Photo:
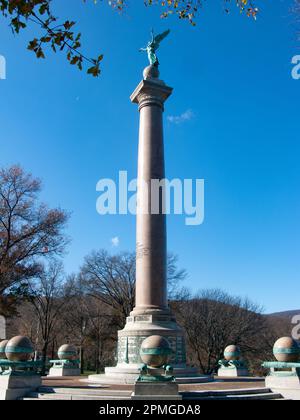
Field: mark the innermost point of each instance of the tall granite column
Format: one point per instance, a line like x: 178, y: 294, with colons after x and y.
x: 151, y: 315
x: 151, y: 248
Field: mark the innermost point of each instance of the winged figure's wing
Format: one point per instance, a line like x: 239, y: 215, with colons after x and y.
x: 160, y: 37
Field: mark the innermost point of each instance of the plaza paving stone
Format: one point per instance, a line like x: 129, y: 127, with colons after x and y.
x: 219, y: 384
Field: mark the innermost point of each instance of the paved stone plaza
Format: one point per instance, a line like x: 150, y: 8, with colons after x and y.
x: 228, y: 383
x: 79, y: 388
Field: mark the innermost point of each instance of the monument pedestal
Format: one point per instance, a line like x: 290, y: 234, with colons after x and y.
x: 64, y: 368
x: 137, y: 329
x: 232, y: 371
x: 156, y: 391
x: 143, y: 325
x: 63, y: 371
x: 232, y: 368
x: 287, y: 386
x: 16, y: 385
x: 284, y: 378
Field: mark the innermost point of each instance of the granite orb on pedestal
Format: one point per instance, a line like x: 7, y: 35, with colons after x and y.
x: 67, y: 352
x: 286, y: 350
x: 284, y: 374
x: 155, y: 351
x: 155, y: 381
x: 19, y: 373
x: 232, y: 352
x: 67, y: 363
x: 19, y: 349
x: 232, y: 365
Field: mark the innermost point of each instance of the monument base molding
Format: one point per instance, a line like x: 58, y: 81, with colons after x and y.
x: 156, y: 391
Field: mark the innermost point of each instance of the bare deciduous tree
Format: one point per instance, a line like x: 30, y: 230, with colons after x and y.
x: 175, y: 277
x: 48, y: 294
x: 111, y: 279
x: 28, y: 231
x: 213, y: 319
x: 88, y: 324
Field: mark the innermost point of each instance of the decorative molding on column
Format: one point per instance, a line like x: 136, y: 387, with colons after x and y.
x: 151, y: 92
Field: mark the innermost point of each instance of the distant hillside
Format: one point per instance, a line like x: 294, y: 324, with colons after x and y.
x: 281, y: 322
x: 285, y: 314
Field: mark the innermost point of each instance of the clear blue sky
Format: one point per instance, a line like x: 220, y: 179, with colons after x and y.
x: 234, y: 74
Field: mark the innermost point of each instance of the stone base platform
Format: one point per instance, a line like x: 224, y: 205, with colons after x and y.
x: 156, y: 391
x: 78, y: 388
x: 232, y: 372
x: 139, y: 326
x: 124, y: 374
x: 64, y: 371
x: 17, y: 385
x: 287, y: 386
x: 284, y: 378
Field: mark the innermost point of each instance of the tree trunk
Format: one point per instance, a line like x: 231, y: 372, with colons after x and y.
x: 53, y: 351
x: 44, y: 358
x: 97, y: 359
x: 81, y: 358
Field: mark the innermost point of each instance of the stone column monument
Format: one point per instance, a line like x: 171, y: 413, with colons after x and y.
x: 151, y: 315
x: 151, y: 247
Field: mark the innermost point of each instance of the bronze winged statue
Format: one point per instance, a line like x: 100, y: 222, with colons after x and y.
x: 153, y: 46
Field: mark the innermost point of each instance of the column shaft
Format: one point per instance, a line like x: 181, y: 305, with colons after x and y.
x: 151, y: 237
x: 151, y: 288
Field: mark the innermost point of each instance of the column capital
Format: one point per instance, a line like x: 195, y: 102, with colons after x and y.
x: 151, y: 92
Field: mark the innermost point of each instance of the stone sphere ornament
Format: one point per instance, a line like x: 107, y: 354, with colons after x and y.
x: 67, y: 352
x: 232, y: 352
x: 155, y: 351
x: 2, y: 349
x: 19, y: 349
x: 151, y: 72
x: 286, y: 350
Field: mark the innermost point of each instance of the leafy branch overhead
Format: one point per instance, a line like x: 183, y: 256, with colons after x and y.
x: 61, y: 36
x: 188, y: 9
